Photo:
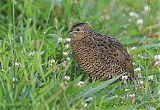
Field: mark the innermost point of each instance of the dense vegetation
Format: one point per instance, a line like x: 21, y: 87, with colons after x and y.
x: 38, y: 70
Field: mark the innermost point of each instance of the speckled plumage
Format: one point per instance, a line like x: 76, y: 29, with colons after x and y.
x: 100, y: 56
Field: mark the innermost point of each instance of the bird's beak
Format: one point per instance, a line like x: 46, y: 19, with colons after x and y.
x: 70, y: 33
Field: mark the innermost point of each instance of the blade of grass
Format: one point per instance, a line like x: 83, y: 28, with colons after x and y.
x: 143, y: 48
x: 102, y: 85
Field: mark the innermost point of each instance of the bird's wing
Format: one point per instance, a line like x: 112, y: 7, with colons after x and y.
x: 111, y: 50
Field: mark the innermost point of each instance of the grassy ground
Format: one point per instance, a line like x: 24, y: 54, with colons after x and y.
x: 33, y: 34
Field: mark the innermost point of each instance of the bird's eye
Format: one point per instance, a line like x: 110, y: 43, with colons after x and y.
x: 78, y: 29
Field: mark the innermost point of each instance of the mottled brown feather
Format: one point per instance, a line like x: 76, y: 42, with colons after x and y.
x: 100, y: 56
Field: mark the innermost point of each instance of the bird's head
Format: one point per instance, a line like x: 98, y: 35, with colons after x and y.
x: 79, y: 29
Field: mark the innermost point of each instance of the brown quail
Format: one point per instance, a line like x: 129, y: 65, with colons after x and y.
x: 100, y: 56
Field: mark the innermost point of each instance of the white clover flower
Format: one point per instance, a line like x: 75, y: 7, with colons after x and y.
x: 137, y: 69
x: 44, y: 32
x: 68, y: 58
x: 66, y: 46
x: 64, y: 63
x: 132, y: 95
x: 106, y: 17
x: 133, y: 63
x: 157, y: 57
x: 80, y: 83
x: 68, y: 39
x: 139, y: 22
x: 85, y: 105
x: 65, y: 53
x: 144, y: 56
x: 122, y: 102
x: 66, y: 78
x: 51, y: 62
x: 150, y: 78
x: 133, y: 14
x: 60, y: 39
x: 133, y: 48
x: 126, y: 90
x: 157, y: 63
x: 18, y: 64
x: 32, y: 53
x: 129, y: 19
x: 115, y: 96
x: 124, y: 77
x: 141, y: 56
x: 15, y: 79
x: 147, y: 8
x: 140, y: 85
x: 141, y: 82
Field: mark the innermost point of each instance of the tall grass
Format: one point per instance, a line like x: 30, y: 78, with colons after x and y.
x: 34, y: 46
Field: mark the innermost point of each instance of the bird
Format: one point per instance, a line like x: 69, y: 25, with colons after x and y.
x: 100, y: 56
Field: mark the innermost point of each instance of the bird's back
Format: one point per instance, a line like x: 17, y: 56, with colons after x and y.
x: 102, y: 57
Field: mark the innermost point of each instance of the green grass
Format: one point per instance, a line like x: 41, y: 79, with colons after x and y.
x: 41, y: 64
